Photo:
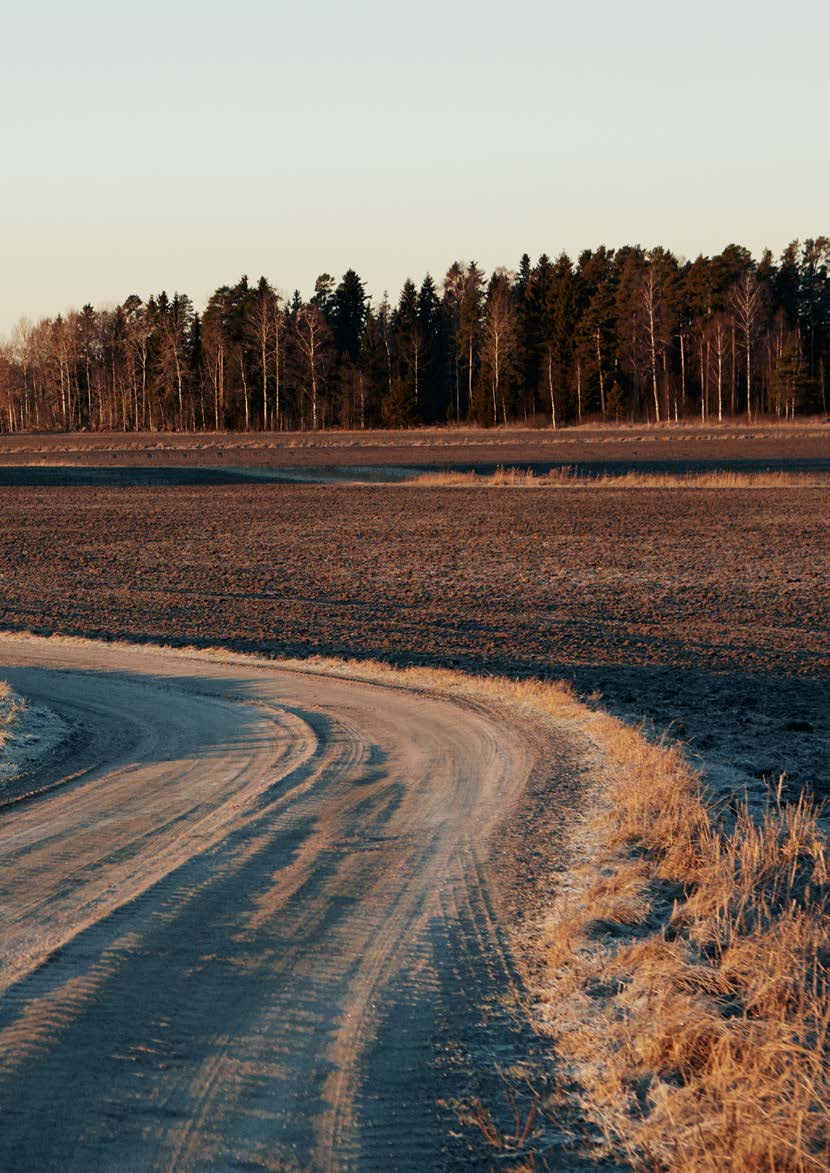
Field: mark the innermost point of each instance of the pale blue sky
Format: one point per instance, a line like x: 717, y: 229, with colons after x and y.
x: 181, y: 144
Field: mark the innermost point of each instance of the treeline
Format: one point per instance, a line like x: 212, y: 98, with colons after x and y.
x: 623, y: 334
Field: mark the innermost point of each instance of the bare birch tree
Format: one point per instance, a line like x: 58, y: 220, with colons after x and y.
x: 651, y: 295
x: 746, y: 301
x: 313, y: 342
x: 717, y: 348
x: 260, y: 323
x: 499, y: 337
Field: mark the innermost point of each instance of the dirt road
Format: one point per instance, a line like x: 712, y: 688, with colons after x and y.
x: 247, y: 919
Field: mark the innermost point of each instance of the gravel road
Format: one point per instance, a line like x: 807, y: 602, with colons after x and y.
x: 248, y: 917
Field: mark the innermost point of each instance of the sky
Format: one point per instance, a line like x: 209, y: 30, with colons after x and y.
x: 180, y: 144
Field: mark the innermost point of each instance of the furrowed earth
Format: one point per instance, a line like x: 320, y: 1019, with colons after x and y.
x: 701, y: 610
x: 797, y: 445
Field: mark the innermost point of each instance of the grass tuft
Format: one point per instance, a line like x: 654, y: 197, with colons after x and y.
x: 10, y: 707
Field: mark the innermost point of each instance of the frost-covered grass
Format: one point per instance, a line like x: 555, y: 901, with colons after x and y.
x: 10, y: 706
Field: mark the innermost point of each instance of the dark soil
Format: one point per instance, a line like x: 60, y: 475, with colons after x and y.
x: 800, y: 445
x: 702, y: 608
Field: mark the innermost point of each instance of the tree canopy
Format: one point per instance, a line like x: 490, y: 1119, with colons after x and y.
x: 630, y: 334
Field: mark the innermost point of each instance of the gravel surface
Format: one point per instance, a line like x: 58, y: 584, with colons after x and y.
x: 250, y: 917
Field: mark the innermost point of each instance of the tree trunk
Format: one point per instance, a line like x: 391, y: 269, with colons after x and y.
x: 313, y: 395
x: 653, y: 349
x: 496, y: 381
x: 179, y: 387
x: 702, y: 382
x: 264, y: 360
x: 277, y: 420
x: 470, y: 375
x: 579, y: 390
x: 550, y: 391
x: 682, y: 374
x: 244, y: 391
x: 601, y: 380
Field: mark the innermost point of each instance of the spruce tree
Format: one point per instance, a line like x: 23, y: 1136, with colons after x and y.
x: 346, y: 313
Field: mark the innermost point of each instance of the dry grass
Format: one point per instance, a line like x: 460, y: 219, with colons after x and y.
x: 570, y: 477
x: 10, y: 707
x: 693, y: 956
x: 685, y: 978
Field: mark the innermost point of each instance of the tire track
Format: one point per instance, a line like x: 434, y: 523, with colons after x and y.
x: 252, y: 940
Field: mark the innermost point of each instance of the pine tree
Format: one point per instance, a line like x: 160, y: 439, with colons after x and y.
x: 433, y: 398
x: 409, y: 340
x: 323, y: 295
x: 595, y: 332
x: 372, y: 384
x: 558, y: 331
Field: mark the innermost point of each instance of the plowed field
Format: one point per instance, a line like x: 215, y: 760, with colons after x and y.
x: 701, y: 607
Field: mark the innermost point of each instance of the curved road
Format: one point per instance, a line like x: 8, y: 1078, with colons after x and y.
x: 246, y: 917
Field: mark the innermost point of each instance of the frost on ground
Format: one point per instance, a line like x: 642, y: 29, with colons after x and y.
x: 10, y: 707
x: 28, y: 734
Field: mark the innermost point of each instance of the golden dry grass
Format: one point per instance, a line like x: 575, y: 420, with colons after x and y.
x: 569, y: 477
x: 696, y: 1030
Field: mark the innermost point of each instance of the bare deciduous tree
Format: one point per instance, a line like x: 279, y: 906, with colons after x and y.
x: 313, y: 341
x: 499, y: 337
x: 263, y: 323
x: 746, y: 301
x: 651, y: 295
x: 718, y: 345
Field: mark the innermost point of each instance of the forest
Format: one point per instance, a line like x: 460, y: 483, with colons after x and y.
x: 620, y: 335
